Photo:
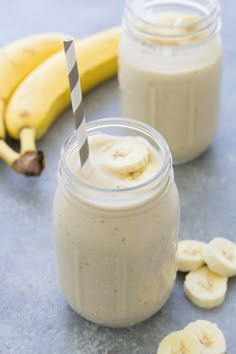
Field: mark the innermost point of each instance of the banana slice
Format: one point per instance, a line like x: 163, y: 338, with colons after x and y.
x: 168, y: 18
x: 220, y: 257
x: 205, y: 288
x: 210, y: 336
x: 182, y: 342
x: 190, y: 255
x: 192, y: 22
x: 177, y: 24
x: 125, y: 156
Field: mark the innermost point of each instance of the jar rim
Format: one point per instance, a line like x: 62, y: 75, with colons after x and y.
x: 210, y: 23
x: 71, y: 142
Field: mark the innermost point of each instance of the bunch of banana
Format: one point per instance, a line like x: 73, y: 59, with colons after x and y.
x: 209, y: 266
x: 196, y: 338
x: 17, y: 60
x: 44, y: 93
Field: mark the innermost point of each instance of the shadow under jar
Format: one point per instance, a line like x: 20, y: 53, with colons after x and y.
x: 170, y: 70
x: 115, y: 248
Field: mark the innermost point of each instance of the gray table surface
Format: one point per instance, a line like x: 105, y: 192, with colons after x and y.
x: 34, y: 318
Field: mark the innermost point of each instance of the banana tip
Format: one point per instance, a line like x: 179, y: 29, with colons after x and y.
x: 31, y: 163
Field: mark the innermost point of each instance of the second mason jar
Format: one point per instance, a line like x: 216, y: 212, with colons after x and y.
x: 170, y: 70
x: 116, y: 245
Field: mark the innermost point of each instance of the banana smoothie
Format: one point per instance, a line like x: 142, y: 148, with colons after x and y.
x: 170, y: 71
x: 116, y: 229
x: 119, y: 162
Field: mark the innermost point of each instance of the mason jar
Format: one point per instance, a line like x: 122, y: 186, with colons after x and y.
x: 170, y: 70
x: 115, y: 248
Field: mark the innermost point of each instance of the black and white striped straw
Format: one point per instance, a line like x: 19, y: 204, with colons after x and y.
x: 77, y: 103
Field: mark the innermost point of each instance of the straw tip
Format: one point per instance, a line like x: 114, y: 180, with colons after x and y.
x: 68, y: 42
x: 68, y: 39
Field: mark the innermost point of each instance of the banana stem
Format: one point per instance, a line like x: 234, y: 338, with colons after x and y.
x: 27, y: 140
x: 29, y: 162
x: 7, y: 154
x: 2, y: 126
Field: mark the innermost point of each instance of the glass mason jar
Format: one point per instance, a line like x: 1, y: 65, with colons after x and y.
x: 115, y: 248
x: 170, y: 70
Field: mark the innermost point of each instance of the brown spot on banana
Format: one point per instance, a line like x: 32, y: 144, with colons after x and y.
x: 24, y: 114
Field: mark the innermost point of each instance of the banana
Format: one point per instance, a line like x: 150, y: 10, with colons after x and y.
x: 197, y: 337
x: 220, y: 257
x: 6, y: 153
x: 165, y: 29
x: 210, y: 336
x: 168, y: 18
x: 175, y: 25
x: 182, y: 342
x: 2, y: 126
x: 44, y: 94
x: 191, y: 25
x: 205, y: 288
x: 190, y: 22
x: 17, y: 60
x: 126, y: 155
x: 190, y: 255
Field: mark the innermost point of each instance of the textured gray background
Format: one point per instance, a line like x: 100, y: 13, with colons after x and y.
x: 34, y: 318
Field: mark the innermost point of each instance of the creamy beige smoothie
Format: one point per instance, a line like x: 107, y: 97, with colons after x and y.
x: 173, y: 83
x: 116, y: 241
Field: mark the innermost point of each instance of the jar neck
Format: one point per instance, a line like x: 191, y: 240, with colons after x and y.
x: 141, y: 20
x: 124, y: 197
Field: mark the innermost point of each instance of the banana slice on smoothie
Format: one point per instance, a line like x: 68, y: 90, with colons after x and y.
x: 166, y: 29
x: 191, y: 25
x: 220, y: 257
x: 168, y: 18
x: 125, y: 156
x: 192, y: 22
x: 209, y: 335
x: 205, y: 288
x: 183, y: 342
x: 177, y: 28
x: 190, y: 255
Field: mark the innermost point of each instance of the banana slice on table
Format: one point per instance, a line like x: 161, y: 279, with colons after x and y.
x: 220, y: 257
x: 190, y: 255
x: 205, y: 288
x: 125, y: 156
x: 182, y: 342
x: 210, y: 336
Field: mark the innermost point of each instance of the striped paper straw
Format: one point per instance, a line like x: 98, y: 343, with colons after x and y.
x: 77, y: 103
